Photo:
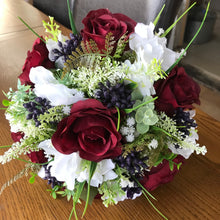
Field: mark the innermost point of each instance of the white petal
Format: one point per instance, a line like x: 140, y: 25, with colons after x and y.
x: 40, y: 75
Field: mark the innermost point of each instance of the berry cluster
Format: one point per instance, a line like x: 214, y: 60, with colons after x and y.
x: 184, y: 122
x: 133, y: 163
x: 51, y: 180
x: 118, y: 95
x: 66, y: 48
x: 130, y: 191
x: 36, y: 108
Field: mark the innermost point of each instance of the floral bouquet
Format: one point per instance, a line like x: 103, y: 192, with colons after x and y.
x: 106, y: 111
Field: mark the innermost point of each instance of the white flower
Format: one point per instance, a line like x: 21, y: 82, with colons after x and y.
x: 149, y: 47
x: 153, y: 144
x: 68, y: 168
x: 185, y: 152
x: 46, y: 86
x: 152, y: 45
x: 130, y: 121
x: 66, y: 110
x: 130, y: 138
x: 51, y: 45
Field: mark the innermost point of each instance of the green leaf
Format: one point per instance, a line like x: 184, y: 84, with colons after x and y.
x: 158, y: 16
x: 119, y: 118
x: 53, y: 194
x: 172, y: 26
x: 189, y: 44
x: 127, y: 111
x: 5, y: 102
x: 171, y: 164
x: 92, y: 169
x: 93, y: 193
x: 32, y: 178
x: 31, y: 29
x: 178, y: 165
x: 79, y: 189
x: 5, y: 146
x: 72, y: 24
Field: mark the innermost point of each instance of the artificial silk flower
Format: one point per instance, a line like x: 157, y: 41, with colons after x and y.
x: 68, y: 168
x: 52, y: 45
x: 46, y: 86
x: 149, y: 46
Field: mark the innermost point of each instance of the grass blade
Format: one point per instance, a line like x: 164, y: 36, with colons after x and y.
x: 72, y: 24
x: 158, y: 16
x: 189, y: 44
x: 171, y: 27
x: 31, y: 29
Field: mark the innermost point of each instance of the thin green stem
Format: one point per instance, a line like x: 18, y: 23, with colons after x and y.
x: 145, y: 193
x: 72, y: 24
x: 189, y: 44
x: 5, y: 146
x: 158, y: 16
x: 26, y: 161
x: 142, y: 104
x: 92, y: 169
x: 73, y: 211
x: 172, y: 26
x: 31, y: 29
x: 119, y: 118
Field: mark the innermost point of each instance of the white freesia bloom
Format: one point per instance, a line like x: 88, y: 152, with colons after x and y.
x: 68, y: 168
x: 143, y: 40
x: 149, y: 48
x: 51, y: 45
x: 185, y: 152
x: 46, y: 86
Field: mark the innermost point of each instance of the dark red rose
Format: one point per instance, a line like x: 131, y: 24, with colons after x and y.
x: 98, y: 23
x: 177, y: 90
x: 36, y: 157
x: 16, y: 137
x: 90, y: 129
x: 37, y: 57
x: 160, y: 174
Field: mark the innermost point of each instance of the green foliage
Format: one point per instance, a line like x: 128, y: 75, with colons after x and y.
x: 54, y: 191
x: 86, y: 79
x: 110, y: 190
x: 52, y: 28
x: 168, y: 125
x: 54, y: 114
x: 145, y: 115
x: 89, y: 55
x: 5, y: 102
x: 32, y: 178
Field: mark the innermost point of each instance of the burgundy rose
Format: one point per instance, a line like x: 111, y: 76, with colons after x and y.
x: 177, y: 90
x: 98, y: 23
x: 36, y: 157
x: 160, y: 174
x: 90, y: 129
x: 37, y: 57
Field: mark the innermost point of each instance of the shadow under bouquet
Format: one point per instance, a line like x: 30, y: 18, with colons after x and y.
x: 106, y: 111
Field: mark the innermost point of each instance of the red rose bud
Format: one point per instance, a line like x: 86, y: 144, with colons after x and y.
x: 177, y: 90
x: 160, y: 174
x: 36, y: 157
x: 90, y: 129
x: 37, y: 57
x: 98, y: 23
x: 16, y: 137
